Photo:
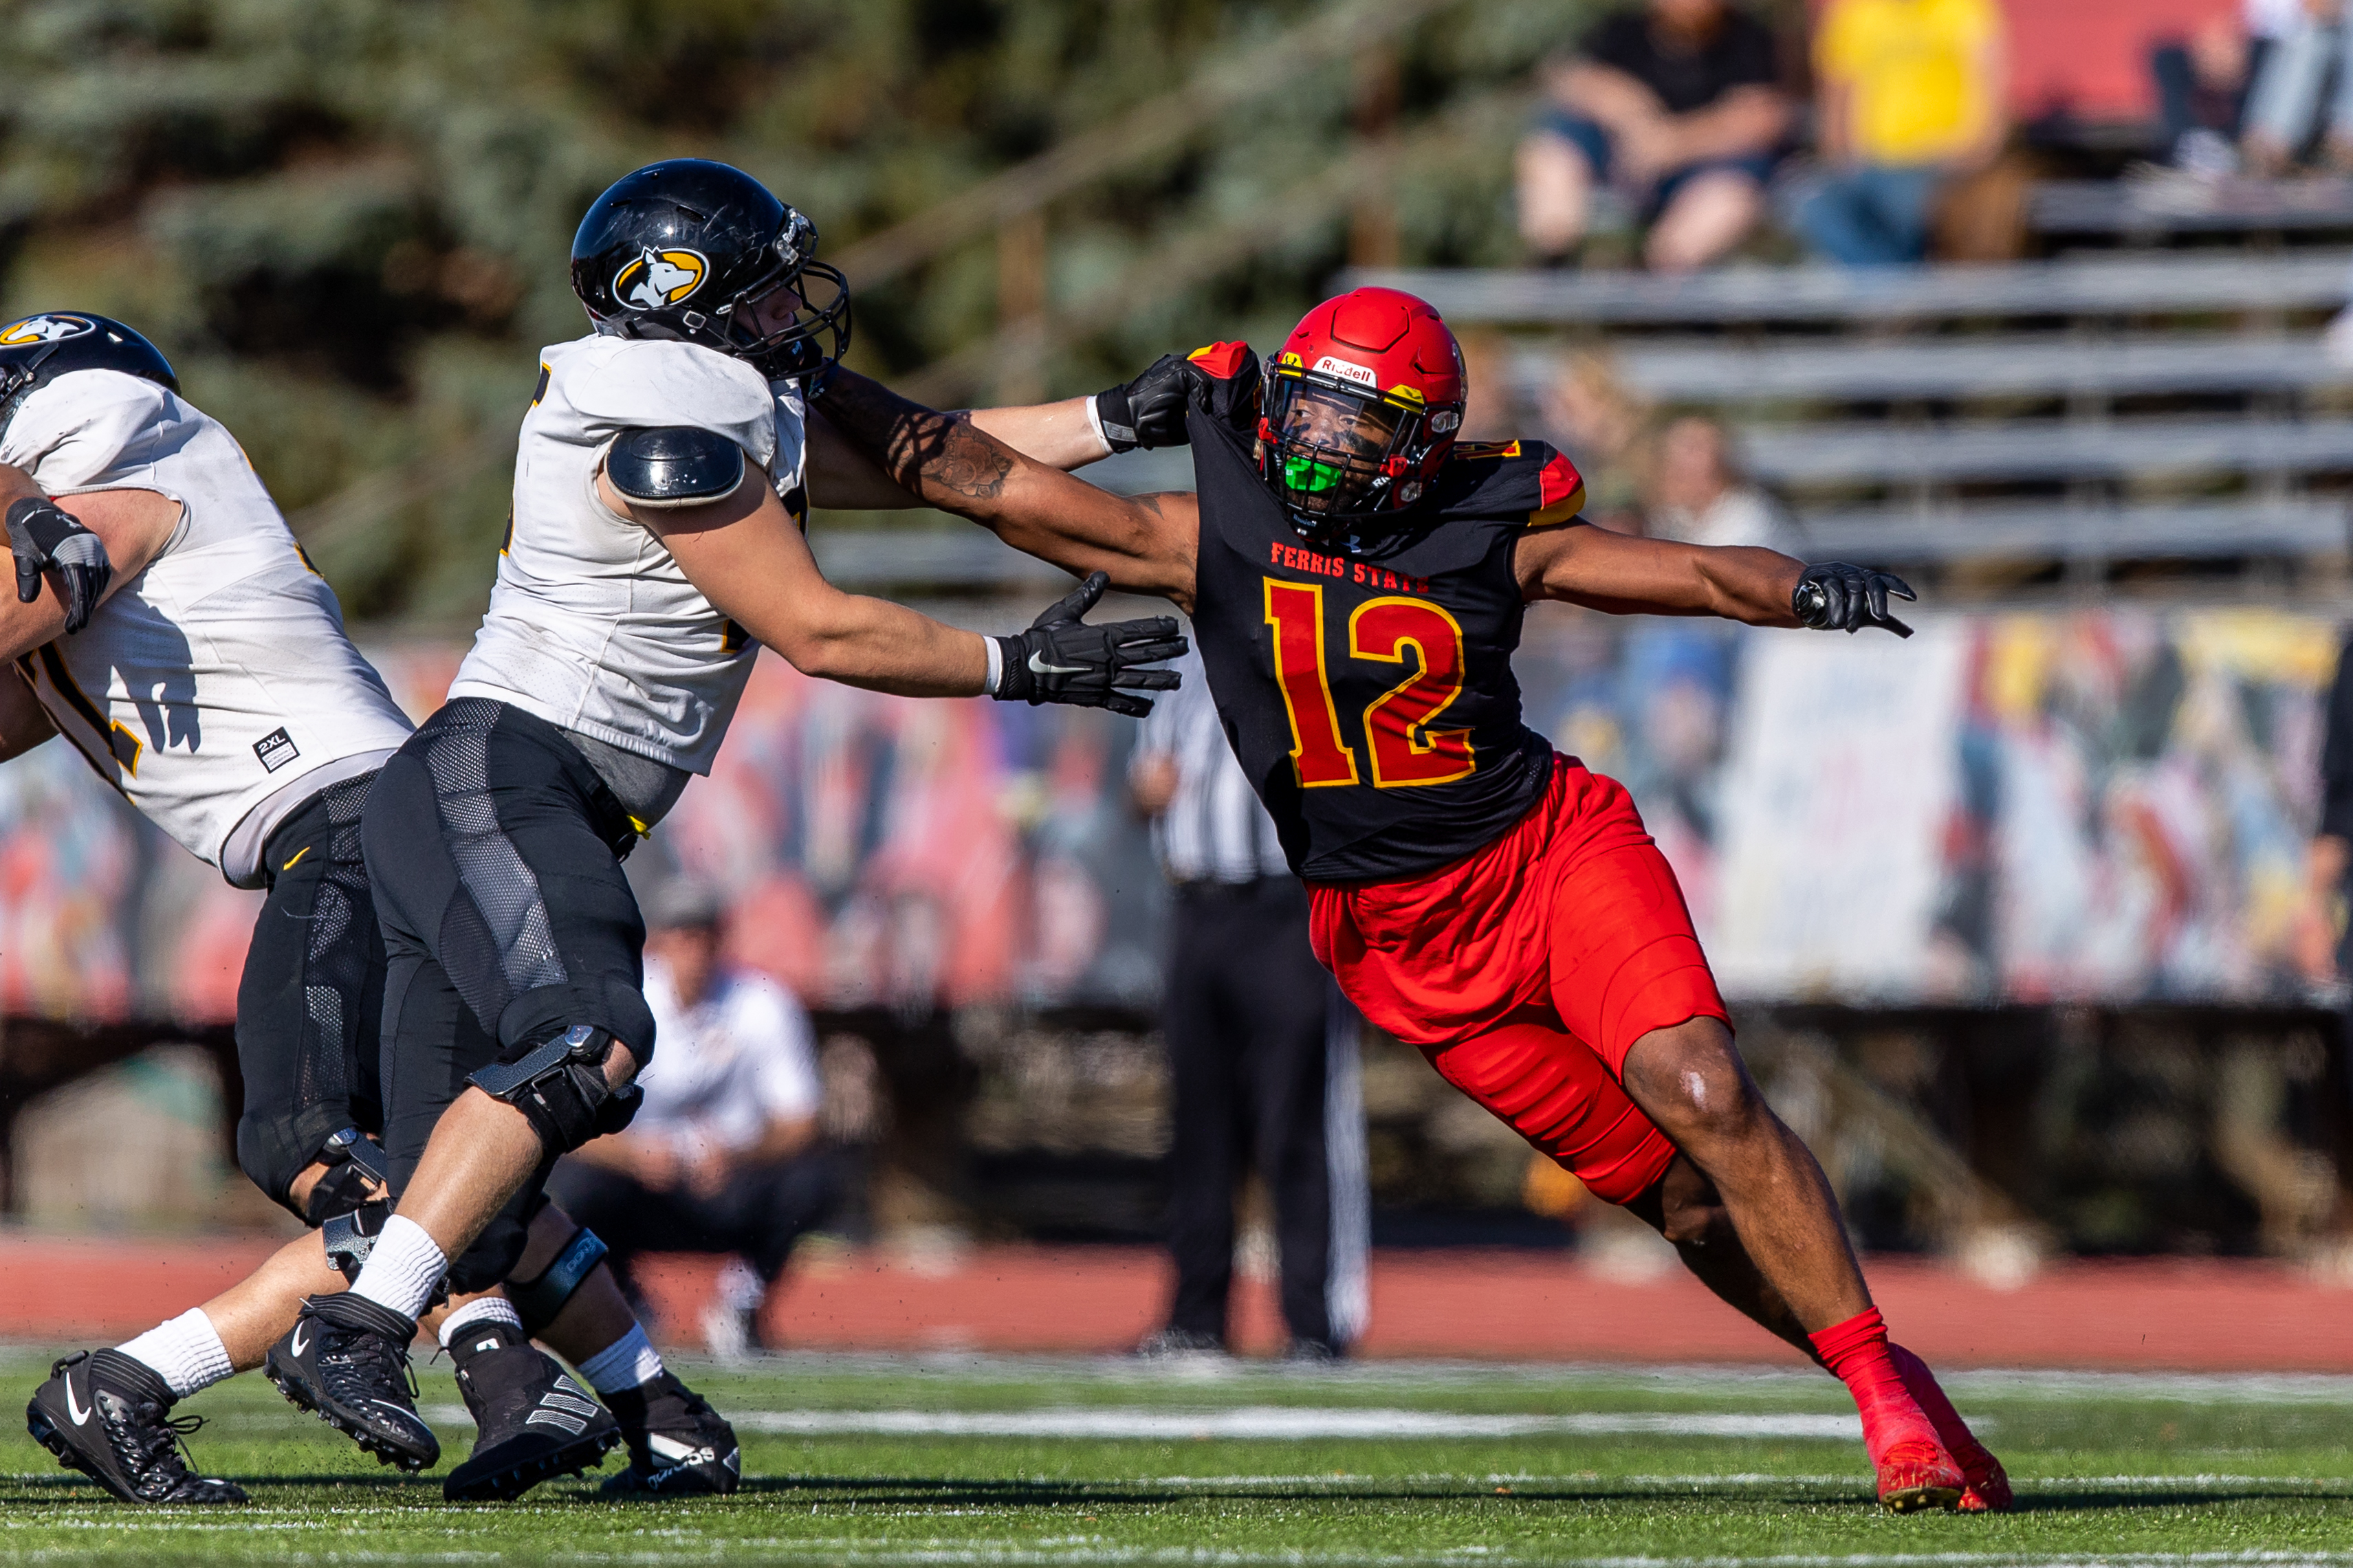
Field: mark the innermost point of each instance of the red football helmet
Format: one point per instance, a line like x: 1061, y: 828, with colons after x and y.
x: 1361, y: 410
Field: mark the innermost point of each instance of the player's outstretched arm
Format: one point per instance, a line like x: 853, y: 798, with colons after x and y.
x: 746, y: 554
x: 1065, y: 435
x: 1625, y: 575
x: 1145, y: 544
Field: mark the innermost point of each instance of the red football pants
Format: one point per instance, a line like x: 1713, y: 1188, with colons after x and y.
x: 1526, y: 970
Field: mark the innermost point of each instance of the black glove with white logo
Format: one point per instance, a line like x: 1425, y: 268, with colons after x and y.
x: 1836, y: 598
x: 1149, y: 411
x: 1061, y: 658
x: 45, y: 537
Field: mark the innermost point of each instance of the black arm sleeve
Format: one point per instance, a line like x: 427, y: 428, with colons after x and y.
x: 2336, y: 752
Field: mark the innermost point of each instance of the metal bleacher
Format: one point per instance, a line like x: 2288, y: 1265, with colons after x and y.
x: 2107, y: 409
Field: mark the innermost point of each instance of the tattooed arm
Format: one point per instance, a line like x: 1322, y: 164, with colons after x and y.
x: 843, y: 478
x: 1146, y: 544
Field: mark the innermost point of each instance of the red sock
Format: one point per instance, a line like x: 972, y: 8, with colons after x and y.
x: 1896, y: 1433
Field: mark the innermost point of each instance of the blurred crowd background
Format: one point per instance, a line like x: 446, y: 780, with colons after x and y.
x: 2032, y: 301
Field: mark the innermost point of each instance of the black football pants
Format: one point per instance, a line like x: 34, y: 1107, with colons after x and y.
x: 310, y: 1002
x: 1246, y: 1014
x: 494, y: 850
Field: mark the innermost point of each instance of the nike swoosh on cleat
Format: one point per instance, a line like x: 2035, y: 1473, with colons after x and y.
x: 80, y: 1416
x: 300, y: 1343
x: 1039, y: 666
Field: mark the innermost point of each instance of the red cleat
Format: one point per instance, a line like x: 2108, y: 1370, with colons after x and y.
x: 1915, y: 1470
x: 1988, y: 1487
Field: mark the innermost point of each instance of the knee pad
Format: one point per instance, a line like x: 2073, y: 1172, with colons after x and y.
x: 539, y: 1300
x: 560, y: 1086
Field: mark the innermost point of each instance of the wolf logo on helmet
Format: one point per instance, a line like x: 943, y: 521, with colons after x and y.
x: 657, y: 277
x: 45, y: 329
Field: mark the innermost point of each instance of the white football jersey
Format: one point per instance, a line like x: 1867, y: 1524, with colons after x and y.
x: 593, y: 626
x: 220, y: 675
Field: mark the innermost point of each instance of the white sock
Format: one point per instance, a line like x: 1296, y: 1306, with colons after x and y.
x: 187, y: 1351
x: 624, y: 1365
x: 481, y: 1309
x: 402, y: 1269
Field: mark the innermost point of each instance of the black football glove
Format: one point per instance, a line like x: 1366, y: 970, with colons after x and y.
x: 1836, y: 598
x: 1061, y: 658
x: 44, y: 537
x: 1149, y: 411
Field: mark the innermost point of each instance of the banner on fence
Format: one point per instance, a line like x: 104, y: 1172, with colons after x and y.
x: 2109, y: 805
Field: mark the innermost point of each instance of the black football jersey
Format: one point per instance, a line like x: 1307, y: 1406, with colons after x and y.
x: 1369, y: 691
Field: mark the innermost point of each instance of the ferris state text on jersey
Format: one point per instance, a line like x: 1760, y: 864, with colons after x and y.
x: 1369, y: 692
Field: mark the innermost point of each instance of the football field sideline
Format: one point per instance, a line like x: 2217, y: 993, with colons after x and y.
x: 1010, y: 1460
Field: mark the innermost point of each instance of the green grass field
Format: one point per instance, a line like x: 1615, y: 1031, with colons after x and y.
x: 996, y: 1461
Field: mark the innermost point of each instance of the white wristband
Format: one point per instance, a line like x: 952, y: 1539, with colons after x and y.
x: 996, y: 667
x: 1094, y: 422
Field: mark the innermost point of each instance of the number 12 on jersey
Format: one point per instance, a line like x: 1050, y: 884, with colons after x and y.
x: 1399, y: 724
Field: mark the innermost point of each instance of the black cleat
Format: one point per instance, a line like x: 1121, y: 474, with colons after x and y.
x: 346, y: 1359
x: 101, y: 1412
x: 679, y: 1445
x: 532, y: 1422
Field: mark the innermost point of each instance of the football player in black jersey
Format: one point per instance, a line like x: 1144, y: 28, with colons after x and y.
x: 1356, y: 578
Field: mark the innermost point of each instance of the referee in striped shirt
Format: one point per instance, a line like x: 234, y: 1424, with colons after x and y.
x: 1261, y: 1047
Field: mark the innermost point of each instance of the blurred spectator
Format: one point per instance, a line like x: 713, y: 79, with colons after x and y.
x: 1262, y: 1048
x: 1677, y: 103
x: 722, y: 1156
x: 1592, y: 416
x: 2302, y: 93
x: 2203, y: 83
x: 1491, y: 405
x: 1695, y: 492
x: 2322, y: 933
x: 1911, y: 96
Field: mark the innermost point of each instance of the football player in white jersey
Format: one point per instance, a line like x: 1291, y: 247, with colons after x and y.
x: 661, y: 484
x: 214, y: 687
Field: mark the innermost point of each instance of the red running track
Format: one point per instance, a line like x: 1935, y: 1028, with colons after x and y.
x: 2197, y: 1315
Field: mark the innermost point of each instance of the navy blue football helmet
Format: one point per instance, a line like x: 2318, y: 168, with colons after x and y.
x: 685, y: 249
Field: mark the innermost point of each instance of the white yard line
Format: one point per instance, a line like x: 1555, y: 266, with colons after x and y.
x: 1675, y: 1379
x: 1288, y: 1422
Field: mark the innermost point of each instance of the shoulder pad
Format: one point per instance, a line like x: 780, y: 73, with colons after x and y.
x: 1526, y: 482
x: 677, y: 465
x: 1560, y: 489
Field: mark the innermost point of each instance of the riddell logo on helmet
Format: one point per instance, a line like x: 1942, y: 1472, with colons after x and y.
x: 657, y: 277
x: 44, y: 330
x: 1330, y: 365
